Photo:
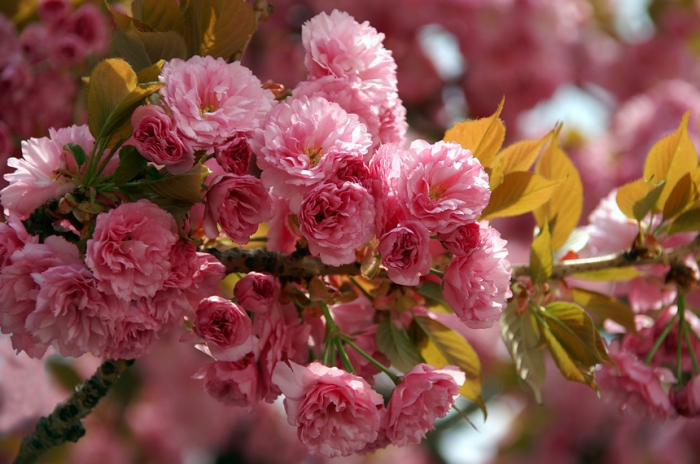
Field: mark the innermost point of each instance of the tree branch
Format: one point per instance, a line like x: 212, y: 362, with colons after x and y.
x: 64, y: 423
x: 575, y: 266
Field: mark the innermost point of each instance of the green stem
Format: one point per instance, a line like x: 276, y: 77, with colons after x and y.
x: 394, y: 378
x: 437, y: 273
x: 681, y: 328
x: 359, y: 287
x: 660, y: 340
x: 344, y: 357
x: 689, y: 343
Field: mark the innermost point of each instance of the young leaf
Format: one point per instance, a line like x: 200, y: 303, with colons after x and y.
x: 681, y: 196
x: 637, y: 198
x: 670, y: 159
x: 686, y: 222
x: 144, y: 49
x: 159, y: 15
x: 397, y: 347
x: 541, y: 256
x: 131, y: 163
x: 77, y: 152
x: 520, y: 192
x: 151, y: 73
x: 562, y: 211
x: 432, y: 291
x: 574, y: 330
x: 516, y: 157
x: 521, y: 336
x: 186, y: 187
x: 441, y: 346
x: 605, y: 306
x: 123, y: 22
x: 483, y: 137
x: 219, y: 28
x: 569, y: 368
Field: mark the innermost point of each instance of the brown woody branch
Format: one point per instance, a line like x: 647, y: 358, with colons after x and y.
x: 64, y: 423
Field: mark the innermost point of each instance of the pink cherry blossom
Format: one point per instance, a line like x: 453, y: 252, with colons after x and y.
x: 221, y: 322
x: 443, y: 186
x: 40, y: 174
x: 134, y: 332
x: 336, y: 219
x: 297, y: 148
x: 208, y: 272
x: 211, y: 99
x: 634, y: 387
x: 54, y: 12
x: 281, y: 236
x: 156, y: 138
x: 687, y: 399
x: 336, y: 413
x: 463, y: 240
x: 88, y: 23
x: 130, y: 248
x: 232, y: 383
x: 424, y: 394
x: 71, y: 312
x: 477, y: 285
x: 235, y: 156
x: 405, y: 252
x: 257, y: 292
x: 239, y: 204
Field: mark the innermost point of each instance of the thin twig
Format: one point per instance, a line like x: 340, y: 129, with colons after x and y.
x: 64, y: 423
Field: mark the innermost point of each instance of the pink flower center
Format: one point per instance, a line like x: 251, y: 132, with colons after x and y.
x: 315, y: 153
x: 436, y: 192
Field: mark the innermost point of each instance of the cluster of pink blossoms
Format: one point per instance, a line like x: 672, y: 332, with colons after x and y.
x: 327, y: 168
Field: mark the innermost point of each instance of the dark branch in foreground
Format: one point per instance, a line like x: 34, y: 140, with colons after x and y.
x: 64, y: 423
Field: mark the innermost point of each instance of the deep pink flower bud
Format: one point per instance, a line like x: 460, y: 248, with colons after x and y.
x: 405, y: 251
x: 257, y: 292
x: 222, y: 323
x: 235, y: 156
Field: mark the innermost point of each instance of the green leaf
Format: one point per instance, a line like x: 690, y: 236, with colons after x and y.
x: 562, y: 211
x: 77, y: 152
x: 131, y: 163
x: 569, y: 368
x: 619, y: 274
x: 159, y: 15
x: 397, y: 347
x: 520, y: 192
x: 123, y: 22
x: 637, y: 198
x: 681, y: 196
x: 605, y: 307
x: 433, y: 292
x: 574, y: 330
x: 483, y: 137
x: 686, y: 222
x: 151, y: 73
x: 63, y: 372
x: 186, y: 187
x: 441, y: 346
x: 541, y: 260
x: 670, y: 159
x: 144, y: 49
x: 521, y: 336
x: 219, y: 28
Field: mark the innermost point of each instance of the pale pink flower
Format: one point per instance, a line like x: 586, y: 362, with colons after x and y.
x: 636, y: 387
x: 392, y: 120
x: 687, y: 399
x: 336, y: 219
x: 208, y: 272
x: 405, y: 252
x: 220, y: 322
x: 156, y: 138
x: 443, y: 186
x: 281, y: 236
x: 385, y: 169
x: 11, y: 239
x: 130, y: 249
x: 463, y: 240
x: 134, y: 332
x: 336, y: 413
x: 235, y: 156
x: 39, y: 174
x: 338, y: 45
x: 424, y: 394
x: 297, y: 146
x: 211, y: 99
x: 232, y: 383
x: 168, y: 307
x: 19, y: 290
x: 239, y: 204
x: 257, y: 292
x: 71, y: 313
x: 609, y: 230
x: 477, y: 285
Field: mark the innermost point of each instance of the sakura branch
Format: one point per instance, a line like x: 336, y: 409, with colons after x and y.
x: 64, y: 423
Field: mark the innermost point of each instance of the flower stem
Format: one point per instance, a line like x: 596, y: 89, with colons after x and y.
x: 681, y: 329
x: 344, y: 357
x: 394, y: 378
x: 660, y: 340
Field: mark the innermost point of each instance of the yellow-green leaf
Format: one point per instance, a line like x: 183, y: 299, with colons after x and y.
x: 605, y: 306
x: 516, y: 157
x: 441, y: 346
x: 541, y: 260
x: 619, y: 274
x: 159, y: 15
x: 110, y: 82
x: 397, y: 346
x: 186, y: 187
x: 131, y: 163
x: 681, y: 196
x: 219, y: 28
x: 686, y: 222
x: 520, y: 192
x: 569, y: 368
x: 574, y: 330
x: 145, y: 49
x: 637, y: 198
x: 124, y: 22
x: 521, y: 336
x: 151, y: 73
x: 669, y: 159
x: 562, y: 211
x: 483, y: 137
